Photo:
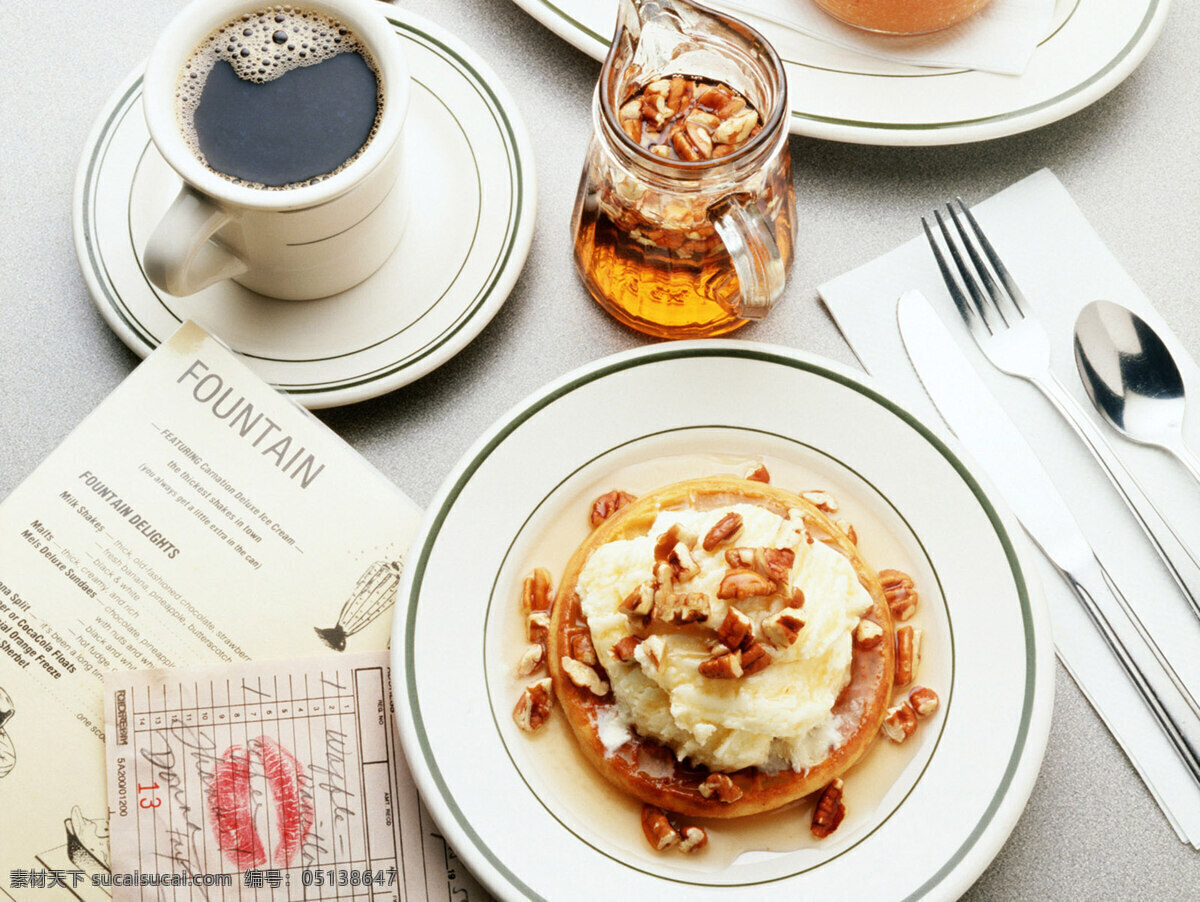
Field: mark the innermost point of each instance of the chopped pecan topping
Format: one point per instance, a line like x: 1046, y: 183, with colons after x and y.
x: 654, y: 649
x: 736, y: 630
x: 682, y: 563
x: 723, y: 530
x: 531, y: 661
x: 639, y: 602
x: 625, y: 647
x: 723, y: 666
x: 868, y: 633
x: 667, y: 542
x: 680, y: 118
x: 533, y: 707
x: 607, y: 505
x: 782, y: 629
x: 822, y: 500
x: 772, y: 563
x: 900, y: 723
x: 898, y: 589
x: 722, y: 787
x: 758, y: 473
x: 694, y: 839
x: 582, y: 648
x: 537, y: 626
x: 754, y: 658
x: 923, y: 700
x: 741, y: 583
x: 659, y: 832
x: 777, y: 562
x: 583, y: 676
x: 830, y: 809
x: 691, y: 607
x: 796, y: 599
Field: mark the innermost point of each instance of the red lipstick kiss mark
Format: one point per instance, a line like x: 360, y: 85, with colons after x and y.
x: 233, y: 803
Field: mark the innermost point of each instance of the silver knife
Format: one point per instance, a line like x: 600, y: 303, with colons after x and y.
x: 983, y: 427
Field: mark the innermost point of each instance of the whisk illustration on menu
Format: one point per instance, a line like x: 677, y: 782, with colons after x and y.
x: 374, y: 593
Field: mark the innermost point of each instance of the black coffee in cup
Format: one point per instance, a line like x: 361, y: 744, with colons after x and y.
x: 280, y: 97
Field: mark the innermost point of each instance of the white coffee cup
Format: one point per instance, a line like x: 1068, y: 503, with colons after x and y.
x: 297, y: 243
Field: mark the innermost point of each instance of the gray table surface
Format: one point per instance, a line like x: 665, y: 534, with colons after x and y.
x: 1131, y: 161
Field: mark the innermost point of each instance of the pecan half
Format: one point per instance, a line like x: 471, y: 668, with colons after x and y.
x: 535, y: 591
x: 723, y: 530
x: 607, y: 505
x: 830, y: 809
x: 908, y: 654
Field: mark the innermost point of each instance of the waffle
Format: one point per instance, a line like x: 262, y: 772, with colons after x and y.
x: 646, y: 768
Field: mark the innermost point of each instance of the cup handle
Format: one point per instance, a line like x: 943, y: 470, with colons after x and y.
x: 181, y: 258
x: 756, y: 257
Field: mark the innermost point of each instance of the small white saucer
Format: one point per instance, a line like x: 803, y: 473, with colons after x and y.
x: 471, y: 179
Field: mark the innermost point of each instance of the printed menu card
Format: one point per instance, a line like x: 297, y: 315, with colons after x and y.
x: 197, y: 516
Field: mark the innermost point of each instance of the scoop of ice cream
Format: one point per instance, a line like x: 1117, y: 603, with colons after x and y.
x: 780, y: 717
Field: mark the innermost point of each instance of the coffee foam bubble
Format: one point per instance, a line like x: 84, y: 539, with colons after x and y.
x: 262, y: 46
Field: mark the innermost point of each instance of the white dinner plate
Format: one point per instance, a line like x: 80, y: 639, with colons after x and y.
x: 528, y: 814
x: 846, y: 96
x: 471, y: 178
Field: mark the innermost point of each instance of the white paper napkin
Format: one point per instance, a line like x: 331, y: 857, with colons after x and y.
x: 1060, y: 264
x: 999, y: 38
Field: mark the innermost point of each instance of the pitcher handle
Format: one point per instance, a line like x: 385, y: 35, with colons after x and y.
x: 756, y: 257
x: 181, y: 256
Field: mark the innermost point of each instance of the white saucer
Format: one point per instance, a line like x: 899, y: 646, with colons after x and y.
x: 471, y: 177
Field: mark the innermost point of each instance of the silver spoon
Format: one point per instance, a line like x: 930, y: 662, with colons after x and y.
x: 1132, y: 379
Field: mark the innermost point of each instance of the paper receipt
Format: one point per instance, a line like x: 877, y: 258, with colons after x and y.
x: 279, y: 780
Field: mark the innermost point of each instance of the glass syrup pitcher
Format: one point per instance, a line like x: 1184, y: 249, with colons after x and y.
x: 683, y: 225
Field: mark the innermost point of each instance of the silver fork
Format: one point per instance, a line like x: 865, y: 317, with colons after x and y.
x: 1010, y: 336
